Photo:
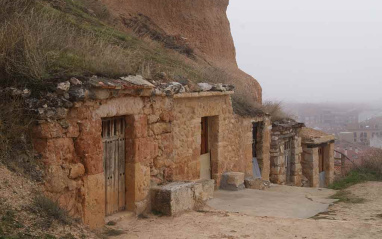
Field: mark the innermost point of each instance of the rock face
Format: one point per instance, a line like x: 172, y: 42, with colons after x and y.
x: 202, y: 25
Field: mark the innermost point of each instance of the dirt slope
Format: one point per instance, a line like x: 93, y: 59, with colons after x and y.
x: 18, y: 215
x: 203, y: 24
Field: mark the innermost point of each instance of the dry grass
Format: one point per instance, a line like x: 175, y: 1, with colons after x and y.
x: 44, y: 41
x: 16, y: 151
x: 35, y: 44
x: 49, y: 211
x: 372, y: 163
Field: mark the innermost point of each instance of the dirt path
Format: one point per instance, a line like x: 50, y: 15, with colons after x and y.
x: 344, y: 221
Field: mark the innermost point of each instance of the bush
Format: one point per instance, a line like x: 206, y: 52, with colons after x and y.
x: 50, y: 210
x: 369, y: 169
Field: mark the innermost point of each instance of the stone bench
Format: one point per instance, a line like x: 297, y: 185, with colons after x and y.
x: 177, y: 197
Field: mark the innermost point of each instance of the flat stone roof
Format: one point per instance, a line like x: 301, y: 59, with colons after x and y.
x: 312, y: 136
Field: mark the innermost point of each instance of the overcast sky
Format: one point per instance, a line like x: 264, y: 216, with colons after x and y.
x: 311, y: 50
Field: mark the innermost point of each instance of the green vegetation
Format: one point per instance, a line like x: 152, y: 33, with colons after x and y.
x: 352, y: 178
x: 347, y: 197
x: 109, y: 232
x: 370, y: 169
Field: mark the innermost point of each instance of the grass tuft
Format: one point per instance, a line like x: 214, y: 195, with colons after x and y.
x: 347, y: 197
x: 50, y: 211
x: 112, y: 232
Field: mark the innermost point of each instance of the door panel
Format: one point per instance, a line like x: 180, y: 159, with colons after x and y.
x: 205, y: 166
x: 288, y: 158
x: 113, y: 138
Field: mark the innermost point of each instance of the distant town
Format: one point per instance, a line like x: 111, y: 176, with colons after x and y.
x: 357, y: 127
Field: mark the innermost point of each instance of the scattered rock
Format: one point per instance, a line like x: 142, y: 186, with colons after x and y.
x: 74, y: 81
x: 174, y: 88
x: 232, y: 181
x: 205, y: 86
x: 137, y: 80
x: 256, y: 183
x: 63, y: 87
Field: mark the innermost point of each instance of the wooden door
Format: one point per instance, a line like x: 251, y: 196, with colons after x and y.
x: 204, y: 135
x: 288, y: 158
x: 113, y: 138
x: 254, y: 139
x: 321, y: 159
x: 205, y: 156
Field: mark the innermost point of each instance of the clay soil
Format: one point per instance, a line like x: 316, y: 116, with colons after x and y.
x: 343, y: 220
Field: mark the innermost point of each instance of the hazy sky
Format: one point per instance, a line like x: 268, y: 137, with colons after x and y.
x: 311, y: 50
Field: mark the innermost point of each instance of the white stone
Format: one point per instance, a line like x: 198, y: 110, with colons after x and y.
x: 205, y: 86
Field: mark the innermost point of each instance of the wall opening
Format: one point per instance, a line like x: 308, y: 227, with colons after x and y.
x: 205, y: 153
x: 257, y: 163
x: 114, y: 161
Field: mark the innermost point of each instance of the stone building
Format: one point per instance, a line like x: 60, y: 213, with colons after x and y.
x: 285, y: 152
x: 105, y: 143
x: 317, y: 157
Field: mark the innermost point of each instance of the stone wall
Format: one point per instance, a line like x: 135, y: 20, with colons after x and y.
x: 162, y: 145
x: 310, y: 163
x: 278, y: 173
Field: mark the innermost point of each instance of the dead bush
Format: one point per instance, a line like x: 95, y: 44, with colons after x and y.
x: 16, y: 150
x: 50, y: 211
x: 275, y: 110
x: 371, y: 163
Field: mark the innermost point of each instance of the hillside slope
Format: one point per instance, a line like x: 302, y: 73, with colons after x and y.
x: 203, y: 24
x: 44, y: 42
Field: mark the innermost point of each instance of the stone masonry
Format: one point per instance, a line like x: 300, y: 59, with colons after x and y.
x: 286, y: 132
x: 162, y: 142
x: 315, y: 142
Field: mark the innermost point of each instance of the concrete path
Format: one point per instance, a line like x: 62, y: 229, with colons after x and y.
x: 277, y: 201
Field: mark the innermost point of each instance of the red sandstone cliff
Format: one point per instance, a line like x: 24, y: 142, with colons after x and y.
x: 204, y: 25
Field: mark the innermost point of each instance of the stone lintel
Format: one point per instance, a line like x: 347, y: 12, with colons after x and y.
x: 203, y: 94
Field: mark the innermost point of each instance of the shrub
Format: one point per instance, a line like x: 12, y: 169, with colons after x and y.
x: 50, y: 210
x: 369, y: 169
x: 347, y: 197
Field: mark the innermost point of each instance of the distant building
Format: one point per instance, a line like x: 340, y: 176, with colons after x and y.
x: 364, y: 131
x: 376, y: 141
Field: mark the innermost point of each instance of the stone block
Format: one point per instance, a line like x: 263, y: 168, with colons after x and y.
x: 167, y: 116
x: 232, y: 181
x: 76, y: 170
x: 204, y: 189
x: 256, y: 183
x: 48, y: 130
x: 173, y: 199
x: 160, y: 128
x: 275, y: 170
x: 94, y: 206
x: 56, y: 150
x: 144, y: 150
x: 137, y: 126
